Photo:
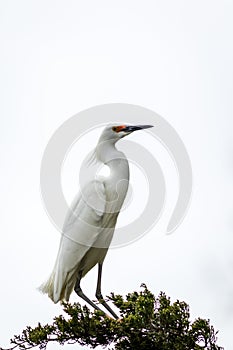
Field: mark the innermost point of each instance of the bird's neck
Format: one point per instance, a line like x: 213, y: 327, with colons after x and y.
x: 118, y: 180
x: 106, y: 152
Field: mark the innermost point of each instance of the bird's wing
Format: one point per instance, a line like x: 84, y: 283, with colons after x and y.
x: 83, y: 222
x: 81, y: 228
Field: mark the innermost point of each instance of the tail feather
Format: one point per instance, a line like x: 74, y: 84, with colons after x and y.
x: 48, y: 288
x: 60, y: 287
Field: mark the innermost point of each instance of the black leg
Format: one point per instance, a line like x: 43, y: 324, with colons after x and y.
x: 99, y: 294
x: 80, y: 293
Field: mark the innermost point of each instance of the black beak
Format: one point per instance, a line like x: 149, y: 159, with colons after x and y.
x: 131, y: 128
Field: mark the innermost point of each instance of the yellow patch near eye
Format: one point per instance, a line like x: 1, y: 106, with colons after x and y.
x: 118, y: 128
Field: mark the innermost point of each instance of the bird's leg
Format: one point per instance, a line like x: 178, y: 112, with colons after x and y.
x: 80, y: 293
x: 98, y: 293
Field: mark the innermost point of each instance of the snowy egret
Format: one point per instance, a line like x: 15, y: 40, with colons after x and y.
x: 90, y: 224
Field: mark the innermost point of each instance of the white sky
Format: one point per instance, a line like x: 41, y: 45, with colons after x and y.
x: 174, y: 57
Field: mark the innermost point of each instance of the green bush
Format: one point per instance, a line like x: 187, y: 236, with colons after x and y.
x: 145, y: 323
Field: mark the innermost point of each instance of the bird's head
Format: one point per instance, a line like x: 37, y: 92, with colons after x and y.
x: 116, y: 132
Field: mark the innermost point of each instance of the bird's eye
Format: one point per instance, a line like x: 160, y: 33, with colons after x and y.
x: 114, y: 128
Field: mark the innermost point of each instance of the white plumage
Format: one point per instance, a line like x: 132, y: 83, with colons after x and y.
x: 89, y: 225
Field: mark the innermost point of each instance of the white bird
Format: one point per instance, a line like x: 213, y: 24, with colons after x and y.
x: 90, y: 224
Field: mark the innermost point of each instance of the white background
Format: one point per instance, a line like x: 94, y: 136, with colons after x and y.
x: 174, y: 57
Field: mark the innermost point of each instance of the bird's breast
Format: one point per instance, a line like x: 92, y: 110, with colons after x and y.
x: 116, y: 193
